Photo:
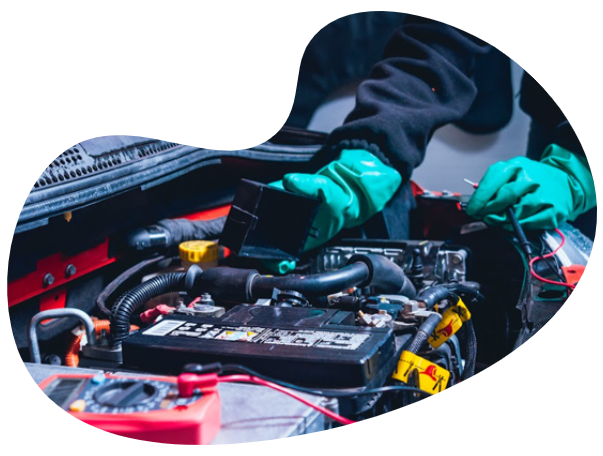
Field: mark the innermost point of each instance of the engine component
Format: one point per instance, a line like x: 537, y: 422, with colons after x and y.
x: 289, y: 298
x: 203, y: 306
x: 425, y: 330
x: 420, y: 372
x: 451, y: 265
x: 334, y: 257
x: 171, y: 232
x: 137, y: 407
x: 452, y: 320
x: 101, y: 301
x: 431, y: 296
x: 202, y: 253
x: 254, y: 229
x: 34, y: 349
x: 134, y: 299
x: 414, y: 269
x: 247, y: 285
x: 301, y: 345
x: 421, y: 260
x: 378, y: 320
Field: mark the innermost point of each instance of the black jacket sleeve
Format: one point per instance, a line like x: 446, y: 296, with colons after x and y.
x: 422, y: 83
x: 546, y: 114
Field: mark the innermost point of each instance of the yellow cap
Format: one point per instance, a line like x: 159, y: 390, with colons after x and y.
x: 198, y: 251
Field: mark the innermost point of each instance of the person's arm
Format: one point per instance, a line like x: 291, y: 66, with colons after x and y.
x: 422, y: 83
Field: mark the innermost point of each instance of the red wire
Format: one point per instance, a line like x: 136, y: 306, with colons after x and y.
x: 261, y: 381
x: 548, y: 255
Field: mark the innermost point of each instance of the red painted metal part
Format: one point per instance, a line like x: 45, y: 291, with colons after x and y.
x: 32, y: 284
x: 54, y: 299
x: 209, y: 214
x: 195, y: 424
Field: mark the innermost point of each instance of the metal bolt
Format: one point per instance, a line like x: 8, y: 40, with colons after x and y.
x: 48, y: 280
x: 70, y: 270
x: 52, y: 359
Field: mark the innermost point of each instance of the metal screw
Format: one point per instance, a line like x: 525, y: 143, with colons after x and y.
x: 48, y: 280
x: 70, y: 270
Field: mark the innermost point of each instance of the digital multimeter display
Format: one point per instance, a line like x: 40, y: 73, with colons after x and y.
x: 145, y: 408
x: 63, y: 391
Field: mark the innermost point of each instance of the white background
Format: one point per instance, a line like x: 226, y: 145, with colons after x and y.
x: 224, y: 76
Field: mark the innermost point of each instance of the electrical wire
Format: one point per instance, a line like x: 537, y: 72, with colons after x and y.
x: 553, y: 267
x: 532, y: 261
x: 383, y: 389
x: 260, y: 381
x: 103, y: 297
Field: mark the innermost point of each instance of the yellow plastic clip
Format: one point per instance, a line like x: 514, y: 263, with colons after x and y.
x: 452, y: 320
x: 430, y: 377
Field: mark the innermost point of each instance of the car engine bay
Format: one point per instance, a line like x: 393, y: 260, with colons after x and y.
x: 188, y: 292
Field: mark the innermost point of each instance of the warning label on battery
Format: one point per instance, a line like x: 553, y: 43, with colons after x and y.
x: 259, y: 335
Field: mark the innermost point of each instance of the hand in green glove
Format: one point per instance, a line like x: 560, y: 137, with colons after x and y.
x: 543, y: 194
x: 352, y: 189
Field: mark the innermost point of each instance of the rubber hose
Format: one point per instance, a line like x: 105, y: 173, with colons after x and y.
x: 371, y: 270
x: 247, y: 285
x: 314, y: 285
x: 470, y: 289
x: 469, y: 346
x: 433, y: 295
x: 386, y: 276
x: 181, y: 230
x: 101, y: 301
x: 425, y: 330
x: 135, y: 298
x: 171, y: 232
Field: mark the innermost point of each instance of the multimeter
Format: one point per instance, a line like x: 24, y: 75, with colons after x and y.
x: 144, y: 408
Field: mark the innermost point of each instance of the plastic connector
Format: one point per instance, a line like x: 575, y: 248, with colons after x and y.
x: 198, y: 369
x: 189, y: 383
x: 268, y: 223
x: 452, y: 320
x: 149, y: 316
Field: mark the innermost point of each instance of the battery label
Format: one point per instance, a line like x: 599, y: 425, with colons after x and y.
x: 260, y: 335
x: 164, y: 327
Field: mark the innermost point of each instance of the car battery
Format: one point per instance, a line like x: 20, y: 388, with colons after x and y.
x: 305, y: 346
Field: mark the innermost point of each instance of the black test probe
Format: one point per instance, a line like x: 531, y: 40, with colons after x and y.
x: 523, y: 241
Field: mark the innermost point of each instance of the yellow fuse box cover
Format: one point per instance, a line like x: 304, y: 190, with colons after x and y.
x: 452, y: 320
x: 199, y: 251
x: 431, y: 378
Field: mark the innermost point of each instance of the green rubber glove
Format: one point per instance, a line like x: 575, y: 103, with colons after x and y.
x: 352, y: 189
x: 543, y: 194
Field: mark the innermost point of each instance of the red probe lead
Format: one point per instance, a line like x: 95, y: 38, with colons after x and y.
x: 527, y: 248
x: 188, y: 383
x: 261, y: 381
